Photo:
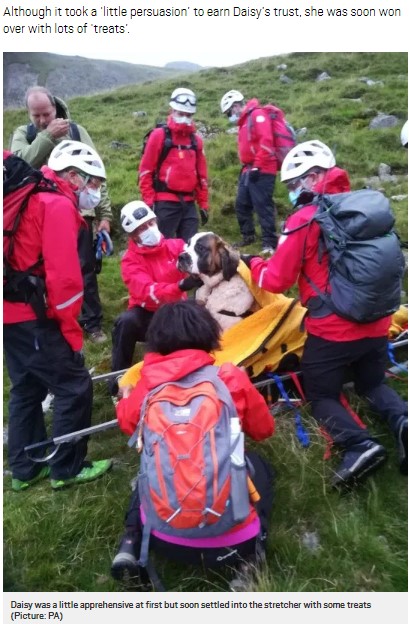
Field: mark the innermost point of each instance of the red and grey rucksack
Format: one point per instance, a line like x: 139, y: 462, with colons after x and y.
x: 20, y: 182
x: 168, y: 145
x: 193, y: 475
x: 283, y: 133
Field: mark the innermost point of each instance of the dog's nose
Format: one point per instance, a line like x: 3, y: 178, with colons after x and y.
x: 184, y: 261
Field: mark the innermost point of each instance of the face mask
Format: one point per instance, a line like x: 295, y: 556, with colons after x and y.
x: 183, y: 120
x: 150, y: 237
x: 89, y: 198
x: 233, y: 118
x: 294, y: 195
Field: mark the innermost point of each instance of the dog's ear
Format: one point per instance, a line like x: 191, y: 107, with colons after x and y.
x: 230, y: 261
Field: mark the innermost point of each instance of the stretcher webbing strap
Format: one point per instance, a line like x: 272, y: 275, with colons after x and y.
x: 296, y: 381
x: 392, y: 358
x: 302, y: 434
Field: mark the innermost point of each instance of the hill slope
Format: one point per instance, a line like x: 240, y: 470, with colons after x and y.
x: 337, y: 111
x: 69, y: 76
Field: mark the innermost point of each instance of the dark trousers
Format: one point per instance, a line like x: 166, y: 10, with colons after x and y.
x: 91, y: 311
x: 130, y: 327
x: 177, y: 219
x: 324, y: 364
x: 39, y: 360
x: 257, y: 197
x: 263, y: 479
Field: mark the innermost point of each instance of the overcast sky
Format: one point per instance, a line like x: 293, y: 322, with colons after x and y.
x: 213, y: 55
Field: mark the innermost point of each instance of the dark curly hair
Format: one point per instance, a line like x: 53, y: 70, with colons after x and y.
x: 182, y: 325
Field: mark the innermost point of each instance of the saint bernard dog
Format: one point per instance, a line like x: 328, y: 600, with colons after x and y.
x: 224, y: 292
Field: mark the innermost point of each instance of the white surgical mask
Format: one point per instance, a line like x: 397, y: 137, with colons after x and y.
x: 183, y: 120
x: 89, y: 198
x: 294, y: 195
x: 151, y: 236
x: 234, y: 118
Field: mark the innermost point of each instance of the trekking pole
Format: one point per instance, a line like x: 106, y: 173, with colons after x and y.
x: 108, y: 376
x: 66, y: 439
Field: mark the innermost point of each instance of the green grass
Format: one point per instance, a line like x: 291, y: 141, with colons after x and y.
x: 65, y: 541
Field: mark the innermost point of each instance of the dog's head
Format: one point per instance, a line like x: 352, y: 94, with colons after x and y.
x: 209, y: 254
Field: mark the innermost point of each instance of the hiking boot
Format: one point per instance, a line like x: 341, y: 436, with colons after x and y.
x: 402, y: 440
x: 89, y: 472
x: 125, y: 564
x: 244, y: 242
x: 358, y: 462
x: 18, y: 486
x: 97, y: 336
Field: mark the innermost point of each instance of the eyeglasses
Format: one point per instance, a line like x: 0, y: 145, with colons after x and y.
x: 185, y: 98
x: 91, y: 181
x: 292, y: 186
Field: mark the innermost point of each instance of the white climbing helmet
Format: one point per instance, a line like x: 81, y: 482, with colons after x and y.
x: 304, y: 157
x: 134, y: 214
x: 183, y: 100
x: 79, y: 155
x: 404, y: 135
x: 230, y: 98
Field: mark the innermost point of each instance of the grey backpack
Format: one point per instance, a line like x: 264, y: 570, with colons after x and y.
x: 366, y: 264
x: 193, y: 474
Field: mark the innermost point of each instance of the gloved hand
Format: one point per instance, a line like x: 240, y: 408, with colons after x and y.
x: 78, y: 357
x: 247, y: 258
x: 189, y: 282
x: 204, y: 216
x: 254, y: 174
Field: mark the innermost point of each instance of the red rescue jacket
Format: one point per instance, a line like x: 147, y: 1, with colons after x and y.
x: 255, y: 141
x: 151, y: 275
x: 183, y: 171
x: 296, y: 254
x: 49, y: 228
x: 256, y: 420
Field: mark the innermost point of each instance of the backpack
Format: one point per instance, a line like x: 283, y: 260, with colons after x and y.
x: 168, y: 144
x: 31, y: 132
x: 366, y: 264
x: 283, y: 133
x: 20, y: 182
x: 193, y: 475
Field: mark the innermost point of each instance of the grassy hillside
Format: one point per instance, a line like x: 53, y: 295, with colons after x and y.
x: 319, y: 541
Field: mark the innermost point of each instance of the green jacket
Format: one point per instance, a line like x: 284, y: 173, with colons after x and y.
x: 38, y: 152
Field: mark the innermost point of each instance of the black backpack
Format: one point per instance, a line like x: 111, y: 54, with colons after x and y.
x: 31, y: 132
x: 168, y: 144
x: 366, y: 264
x: 20, y: 182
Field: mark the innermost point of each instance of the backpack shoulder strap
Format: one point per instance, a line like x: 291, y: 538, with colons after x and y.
x: 166, y: 146
x: 193, y: 141
x: 74, y: 132
x: 31, y: 133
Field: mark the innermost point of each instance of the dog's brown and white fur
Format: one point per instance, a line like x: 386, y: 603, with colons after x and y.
x: 224, y: 293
